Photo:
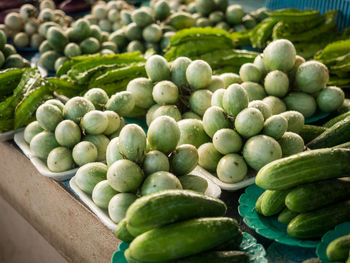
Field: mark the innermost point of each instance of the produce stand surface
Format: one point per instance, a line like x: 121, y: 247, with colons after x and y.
x: 70, y: 227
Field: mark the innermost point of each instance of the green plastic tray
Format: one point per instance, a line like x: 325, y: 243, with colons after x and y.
x: 268, y: 227
x: 255, y: 250
x: 338, y: 231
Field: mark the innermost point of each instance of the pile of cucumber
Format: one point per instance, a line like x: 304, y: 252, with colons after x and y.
x: 27, y: 28
x: 180, y: 226
x: 303, y: 191
x: 307, y: 189
x: 339, y: 249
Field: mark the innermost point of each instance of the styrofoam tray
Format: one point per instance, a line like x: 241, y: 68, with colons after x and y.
x: 99, y: 212
x: 250, y: 179
x: 38, y: 163
x: 213, y: 191
x: 6, y: 136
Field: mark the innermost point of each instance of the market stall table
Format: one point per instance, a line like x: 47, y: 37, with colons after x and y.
x: 70, y: 227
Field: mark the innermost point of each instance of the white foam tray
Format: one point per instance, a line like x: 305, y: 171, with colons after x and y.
x: 38, y: 163
x: 250, y: 179
x: 6, y: 136
x: 213, y: 191
x: 102, y: 214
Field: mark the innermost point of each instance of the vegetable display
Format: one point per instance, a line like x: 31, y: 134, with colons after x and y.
x: 28, y: 27
x: 74, y: 133
x: 133, y: 170
x: 180, y: 70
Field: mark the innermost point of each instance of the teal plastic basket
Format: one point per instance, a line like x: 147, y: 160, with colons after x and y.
x: 256, y: 251
x: 343, y: 17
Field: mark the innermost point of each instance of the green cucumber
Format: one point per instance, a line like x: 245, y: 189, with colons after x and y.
x: 336, y: 119
x: 316, y: 223
x: 343, y: 145
x: 305, y: 167
x: 339, y: 249
x: 122, y: 232
x: 337, y: 134
x: 182, y: 239
x: 286, y: 216
x: 169, y: 206
x: 273, y: 202
x: 232, y: 244
x: 258, y: 204
x: 310, y: 132
x: 308, y: 197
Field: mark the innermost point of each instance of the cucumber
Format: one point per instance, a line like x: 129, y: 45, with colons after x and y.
x: 315, y: 223
x: 211, y: 256
x: 339, y: 249
x: 310, y: 132
x: 343, y: 145
x: 182, y: 239
x: 305, y: 167
x: 336, y: 119
x: 337, y: 134
x: 273, y: 202
x: 169, y: 206
x: 122, y: 232
x: 232, y: 244
x: 258, y: 204
x: 286, y: 216
x: 312, y: 196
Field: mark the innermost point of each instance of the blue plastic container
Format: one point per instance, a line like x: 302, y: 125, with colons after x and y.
x: 343, y: 18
